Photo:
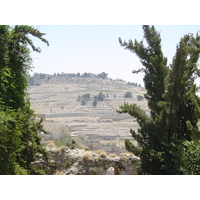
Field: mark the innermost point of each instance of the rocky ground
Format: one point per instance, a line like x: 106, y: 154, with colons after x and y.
x: 67, y: 161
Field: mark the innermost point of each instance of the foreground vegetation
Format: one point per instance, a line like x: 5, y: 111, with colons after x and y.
x: 168, y: 139
x: 20, y: 143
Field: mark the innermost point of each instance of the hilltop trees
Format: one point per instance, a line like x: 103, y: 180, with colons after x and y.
x: 102, y: 75
x: 167, y: 136
x: 19, y: 140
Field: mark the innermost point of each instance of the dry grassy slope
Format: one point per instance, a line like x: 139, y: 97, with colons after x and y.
x: 98, y: 127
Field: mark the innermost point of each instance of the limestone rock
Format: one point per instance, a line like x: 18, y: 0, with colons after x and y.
x: 86, y: 162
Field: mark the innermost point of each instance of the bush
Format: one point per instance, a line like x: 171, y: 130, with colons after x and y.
x: 100, y: 97
x: 86, y: 96
x: 94, y: 170
x: 86, y: 156
x: 83, y: 102
x: 128, y: 95
x: 94, y: 103
x: 140, y: 98
x: 180, y: 157
x: 102, y: 154
x: 10, y: 143
x: 190, y: 158
x: 68, y: 141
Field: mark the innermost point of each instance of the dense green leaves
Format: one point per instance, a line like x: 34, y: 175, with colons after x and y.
x: 191, y: 158
x: 10, y: 143
x: 173, y: 103
x: 154, y: 63
x: 19, y: 131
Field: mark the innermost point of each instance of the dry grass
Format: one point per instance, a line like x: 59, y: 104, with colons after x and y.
x: 123, y: 158
x: 86, y: 156
x: 102, y: 154
x: 49, y: 143
x: 112, y: 155
x: 58, y: 172
x: 60, y: 149
x: 126, y: 154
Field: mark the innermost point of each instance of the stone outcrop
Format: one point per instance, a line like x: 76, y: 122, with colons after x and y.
x: 66, y: 161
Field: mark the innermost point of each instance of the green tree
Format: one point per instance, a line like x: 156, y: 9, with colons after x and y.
x: 10, y: 143
x: 94, y: 103
x: 19, y: 127
x: 172, y: 100
x: 102, y: 75
x: 155, y: 65
x: 190, y: 153
x: 32, y: 149
x: 140, y: 98
x: 83, y: 102
x: 18, y: 63
x: 86, y: 96
x: 100, y: 97
x: 128, y: 95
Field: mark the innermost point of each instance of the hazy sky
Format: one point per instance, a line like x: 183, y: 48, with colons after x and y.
x: 95, y: 48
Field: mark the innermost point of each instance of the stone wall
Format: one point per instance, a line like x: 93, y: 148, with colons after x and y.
x: 57, y: 130
x: 66, y: 161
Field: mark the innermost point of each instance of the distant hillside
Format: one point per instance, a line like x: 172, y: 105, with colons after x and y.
x: 41, y: 78
x: 84, y: 106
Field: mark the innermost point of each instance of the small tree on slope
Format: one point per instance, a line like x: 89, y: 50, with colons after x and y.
x: 172, y: 100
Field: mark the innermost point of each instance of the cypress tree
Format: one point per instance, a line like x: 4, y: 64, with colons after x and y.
x: 172, y: 100
x: 155, y: 65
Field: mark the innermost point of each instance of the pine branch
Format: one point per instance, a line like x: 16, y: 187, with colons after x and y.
x: 132, y: 148
x: 136, y: 112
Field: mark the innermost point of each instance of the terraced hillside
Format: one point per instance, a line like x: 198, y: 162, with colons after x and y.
x: 97, y: 127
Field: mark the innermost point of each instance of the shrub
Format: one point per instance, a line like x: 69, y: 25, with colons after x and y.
x: 86, y: 96
x: 60, y: 149
x: 100, y: 97
x: 190, y: 164
x: 67, y: 164
x: 94, y: 170
x: 86, y: 156
x: 83, y: 102
x: 102, y: 154
x: 68, y: 141
x: 140, y: 98
x: 123, y: 158
x: 94, y: 103
x: 128, y: 95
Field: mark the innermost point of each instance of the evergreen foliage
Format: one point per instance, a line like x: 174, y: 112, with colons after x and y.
x: 128, y: 95
x: 190, y: 153
x: 100, y: 97
x: 173, y: 103
x: 102, y: 75
x: 94, y: 103
x: 140, y: 98
x: 20, y: 141
x: 83, y: 102
x: 68, y: 141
